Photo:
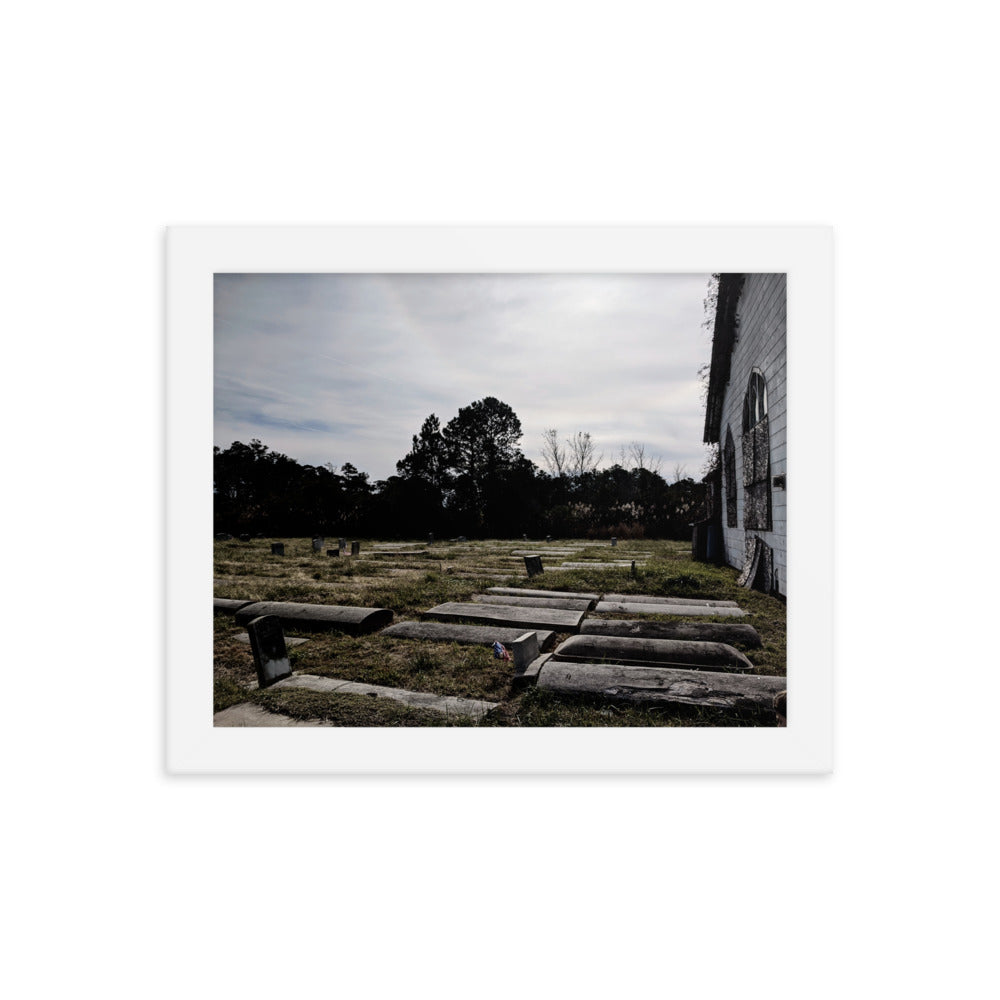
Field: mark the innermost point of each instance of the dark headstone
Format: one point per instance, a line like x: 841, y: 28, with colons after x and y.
x: 277, y: 548
x: 430, y: 538
x: 342, y: 544
x: 244, y: 538
x: 318, y: 544
x: 462, y: 538
x: 548, y: 538
x: 355, y: 548
x: 269, y: 654
x: 333, y: 552
x: 614, y: 542
x: 635, y: 575
x: 533, y: 564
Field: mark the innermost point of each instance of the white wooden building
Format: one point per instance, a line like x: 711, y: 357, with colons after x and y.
x: 745, y: 415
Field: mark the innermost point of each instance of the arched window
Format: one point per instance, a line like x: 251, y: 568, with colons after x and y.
x: 756, y: 455
x: 729, y: 469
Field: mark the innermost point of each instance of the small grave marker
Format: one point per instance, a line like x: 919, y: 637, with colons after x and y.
x: 342, y: 544
x: 524, y: 650
x: 614, y: 542
x: 269, y: 653
x: 533, y: 564
x: 333, y: 552
x: 355, y: 548
x: 430, y: 538
x: 244, y: 538
x: 277, y: 548
x: 318, y: 544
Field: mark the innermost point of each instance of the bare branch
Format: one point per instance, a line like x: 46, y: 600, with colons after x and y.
x: 582, y: 454
x: 553, y: 453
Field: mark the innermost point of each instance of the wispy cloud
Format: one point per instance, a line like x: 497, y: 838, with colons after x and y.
x: 350, y: 365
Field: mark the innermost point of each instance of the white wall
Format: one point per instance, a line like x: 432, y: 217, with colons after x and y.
x: 760, y: 343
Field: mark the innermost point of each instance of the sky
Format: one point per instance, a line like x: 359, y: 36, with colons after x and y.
x: 335, y: 368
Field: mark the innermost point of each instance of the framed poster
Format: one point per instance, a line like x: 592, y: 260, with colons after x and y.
x: 469, y: 403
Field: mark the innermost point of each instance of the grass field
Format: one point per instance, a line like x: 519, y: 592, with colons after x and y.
x: 415, y: 577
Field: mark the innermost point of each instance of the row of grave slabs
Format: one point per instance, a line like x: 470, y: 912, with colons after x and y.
x: 631, y: 660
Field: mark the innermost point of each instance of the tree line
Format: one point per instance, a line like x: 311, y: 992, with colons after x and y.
x: 468, y: 477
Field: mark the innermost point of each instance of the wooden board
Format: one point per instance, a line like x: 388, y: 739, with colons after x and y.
x: 509, y: 616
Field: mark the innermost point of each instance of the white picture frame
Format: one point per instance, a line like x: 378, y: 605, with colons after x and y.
x: 196, y: 253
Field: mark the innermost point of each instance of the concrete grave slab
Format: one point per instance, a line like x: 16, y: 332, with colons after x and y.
x: 289, y: 640
x: 595, y: 564
x: 513, y: 617
x: 521, y: 592
x: 563, y: 603
x: 449, y: 704
x: 747, y: 635
x: 222, y: 605
x: 467, y: 635
x: 545, y: 552
x: 318, y: 617
x: 652, y: 652
x: 529, y: 675
x: 247, y: 715
x: 647, y: 599
x: 662, y: 684
x: 621, y: 607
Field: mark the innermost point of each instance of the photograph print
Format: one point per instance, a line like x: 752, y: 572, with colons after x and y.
x: 500, y: 500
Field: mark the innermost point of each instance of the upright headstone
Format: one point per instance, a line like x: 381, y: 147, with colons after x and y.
x: 462, y: 538
x: 333, y: 552
x: 635, y: 576
x: 533, y: 564
x: 269, y: 654
x: 277, y: 548
x: 244, y: 538
x: 614, y: 542
x: 548, y: 538
x: 355, y: 548
x: 342, y: 544
x: 318, y: 544
x: 524, y: 650
x: 430, y: 538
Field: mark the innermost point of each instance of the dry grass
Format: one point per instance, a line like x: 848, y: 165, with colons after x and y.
x: 411, y: 582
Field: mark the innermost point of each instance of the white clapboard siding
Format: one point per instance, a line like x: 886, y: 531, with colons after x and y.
x: 760, y: 343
